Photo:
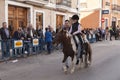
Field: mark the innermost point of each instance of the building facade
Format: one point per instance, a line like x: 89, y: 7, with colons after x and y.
x: 111, y: 13
x: 19, y: 13
x: 100, y: 13
x: 90, y: 13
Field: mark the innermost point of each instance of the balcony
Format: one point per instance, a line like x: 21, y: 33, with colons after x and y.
x: 63, y: 4
x: 115, y: 7
x: 35, y: 2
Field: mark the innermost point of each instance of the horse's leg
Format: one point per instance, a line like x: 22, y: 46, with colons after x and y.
x: 65, y: 61
x: 79, y: 57
x: 86, y: 60
x: 90, y: 56
x: 72, y: 65
x: 82, y: 60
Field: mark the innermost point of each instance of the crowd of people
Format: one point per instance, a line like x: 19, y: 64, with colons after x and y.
x: 28, y: 33
x: 103, y: 34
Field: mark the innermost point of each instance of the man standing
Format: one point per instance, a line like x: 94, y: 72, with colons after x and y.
x: 5, y: 36
x: 66, y: 25
x: 31, y: 32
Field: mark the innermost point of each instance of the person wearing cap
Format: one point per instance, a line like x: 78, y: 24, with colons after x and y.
x: 76, y: 30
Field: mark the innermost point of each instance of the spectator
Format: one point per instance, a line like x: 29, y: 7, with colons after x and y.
x: 25, y: 33
x: 31, y: 32
x: 39, y: 31
x: 40, y: 35
x: 52, y: 31
x: 111, y: 33
x: 5, y: 36
x: 48, y: 40
x: 106, y: 33
x: 117, y: 32
x: 103, y: 34
x: 18, y: 35
x: 97, y: 35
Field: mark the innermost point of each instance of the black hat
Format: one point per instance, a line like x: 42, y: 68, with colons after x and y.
x: 75, y: 17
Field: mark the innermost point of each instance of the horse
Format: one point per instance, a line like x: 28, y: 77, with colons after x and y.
x: 70, y: 49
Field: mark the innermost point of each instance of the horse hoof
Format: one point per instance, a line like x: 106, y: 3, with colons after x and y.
x: 65, y: 72
x: 72, y: 71
x: 88, y: 63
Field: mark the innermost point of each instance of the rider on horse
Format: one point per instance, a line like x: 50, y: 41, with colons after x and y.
x: 75, y: 30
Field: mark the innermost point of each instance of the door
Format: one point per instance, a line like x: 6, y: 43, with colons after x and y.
x: 59, y: 21
x: 113, y: 23
x: 39, y: 20
x: 17, y: 17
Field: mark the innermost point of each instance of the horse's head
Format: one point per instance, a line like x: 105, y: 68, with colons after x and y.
x: 84, y: 38
x: 60, y: 36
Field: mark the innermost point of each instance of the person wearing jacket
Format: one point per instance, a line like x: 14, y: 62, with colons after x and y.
x: 75, y: 30
x: 5, y: 36
x: 18, y: 35
x: 48, y: 40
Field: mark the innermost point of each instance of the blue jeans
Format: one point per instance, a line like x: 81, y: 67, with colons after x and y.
x: 49, y: 46
x: 5, y: 47
x: 27, y: 45
x: 17, y: 52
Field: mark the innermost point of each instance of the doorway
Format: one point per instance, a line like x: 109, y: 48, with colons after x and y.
x: 17, y: 17
x: 59, y: 21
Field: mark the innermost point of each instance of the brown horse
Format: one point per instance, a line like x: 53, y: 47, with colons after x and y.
x: 70, y: 48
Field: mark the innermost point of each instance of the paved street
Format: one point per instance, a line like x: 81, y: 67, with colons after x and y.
x: 105, y: 66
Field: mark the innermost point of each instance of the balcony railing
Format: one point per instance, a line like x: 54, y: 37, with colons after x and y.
x: 29, y: 0
x: 42, y: 0
x: 35, y: 2
x: 115, y: 7
x: 64, y: 2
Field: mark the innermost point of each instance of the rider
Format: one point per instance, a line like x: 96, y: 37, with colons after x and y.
x: 76, y: 30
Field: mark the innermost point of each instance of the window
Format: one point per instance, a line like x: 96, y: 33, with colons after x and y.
x: 107, y: 4
x: 83, y: 1
x: 114, y: 2
x: 83, y: 5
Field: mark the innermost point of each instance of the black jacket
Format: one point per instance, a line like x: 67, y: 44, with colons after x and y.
x: 3, y: 34
x: 74, y: 27
x: 17, y: 35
